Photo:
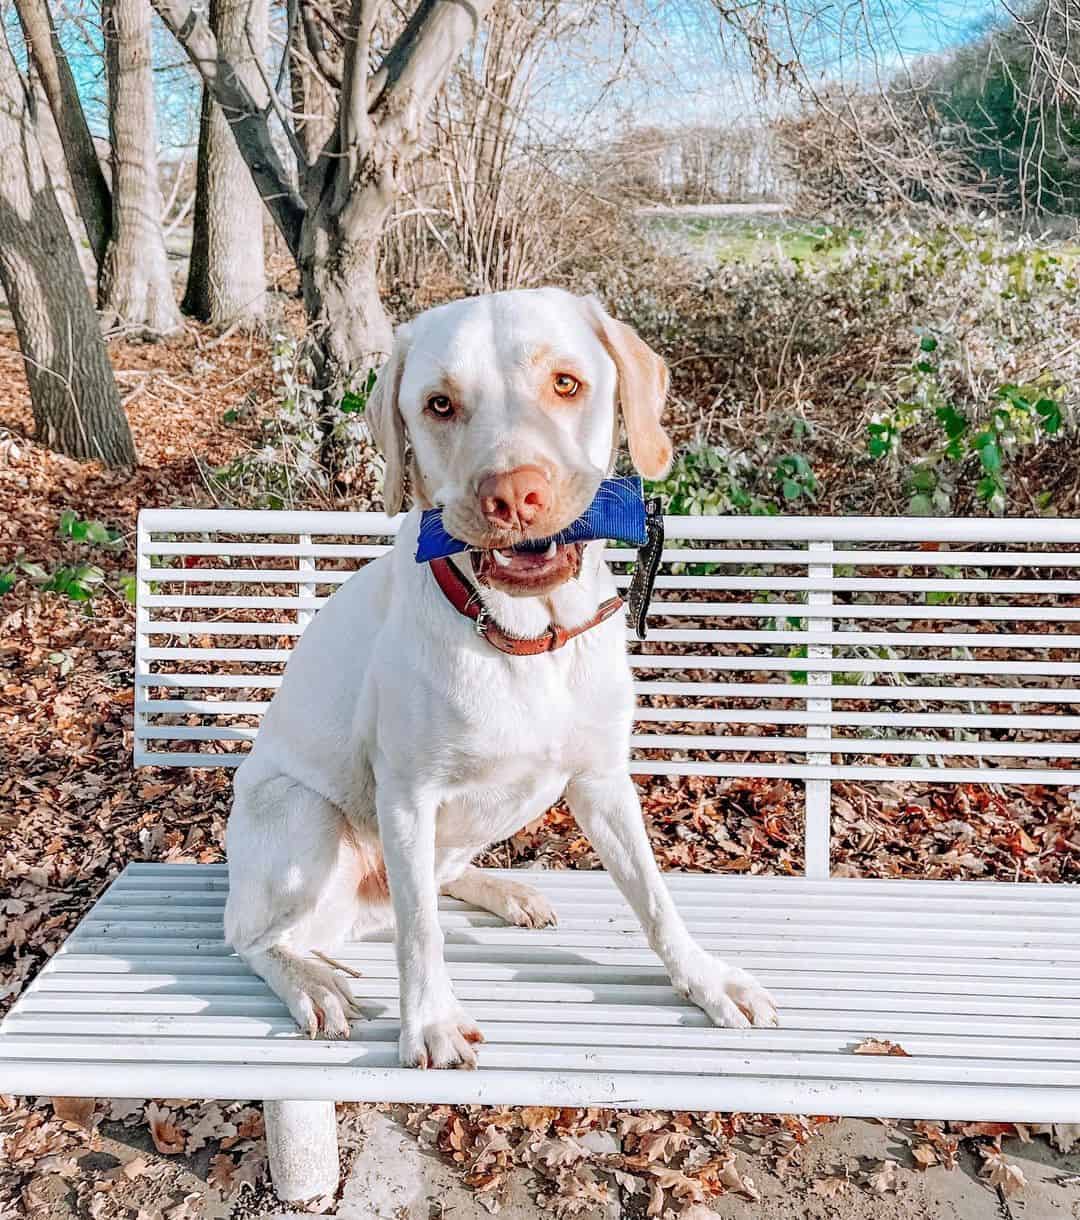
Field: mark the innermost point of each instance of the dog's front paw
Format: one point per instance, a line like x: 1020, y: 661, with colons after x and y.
x: 440, y: 1042
x: 732, y: 998
x: 320, y: 1002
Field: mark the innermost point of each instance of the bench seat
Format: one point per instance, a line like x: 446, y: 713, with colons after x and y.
x: 978, y: 982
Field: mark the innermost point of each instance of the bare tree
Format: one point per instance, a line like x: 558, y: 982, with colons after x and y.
x: 72, y: 390
x: 135, y: 287
x: 54, y: 73
x: 227, y: 274
x: 333, y: 217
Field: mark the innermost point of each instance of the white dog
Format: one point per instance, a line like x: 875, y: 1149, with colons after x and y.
x: 402, y: 742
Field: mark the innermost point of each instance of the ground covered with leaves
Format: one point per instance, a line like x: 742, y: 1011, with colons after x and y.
x: 74, y: 813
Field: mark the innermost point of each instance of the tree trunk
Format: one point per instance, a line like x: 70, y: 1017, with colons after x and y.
x: 75, y: 401
x: 84, y: 169
x: 52, y: 153
x: 349, y: 333
x: 350, y: 330
x: 227, y: 276
x: 135, y: 288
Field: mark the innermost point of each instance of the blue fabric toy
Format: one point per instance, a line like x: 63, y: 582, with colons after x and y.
x: 617, y: 512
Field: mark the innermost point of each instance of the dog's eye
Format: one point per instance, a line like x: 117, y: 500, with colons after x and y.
x: 565, y: 385
x: 440, y: 406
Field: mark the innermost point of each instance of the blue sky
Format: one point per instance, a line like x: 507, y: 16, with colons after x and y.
x: 679, y: 71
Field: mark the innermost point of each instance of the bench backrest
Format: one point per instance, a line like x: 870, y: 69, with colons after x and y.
x: 809, y: 648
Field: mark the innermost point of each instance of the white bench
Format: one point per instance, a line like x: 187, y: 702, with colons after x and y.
x: 812, y: 649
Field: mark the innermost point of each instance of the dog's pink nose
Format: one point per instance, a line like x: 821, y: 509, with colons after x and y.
x: 516, y: 498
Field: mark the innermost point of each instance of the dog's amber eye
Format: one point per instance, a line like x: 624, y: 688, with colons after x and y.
x: 440, y: 406
x: 565, y: 385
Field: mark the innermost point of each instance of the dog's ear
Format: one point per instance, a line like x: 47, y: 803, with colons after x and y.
x: 641, y: 390
x: 386, y: 424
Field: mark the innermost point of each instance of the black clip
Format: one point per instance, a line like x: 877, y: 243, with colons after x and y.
x: 648, y: 564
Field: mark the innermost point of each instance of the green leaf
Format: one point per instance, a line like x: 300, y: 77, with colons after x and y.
x: 989, y: 453
x: 7, y: 580
x: 34, y: 570
x: 129, y: 587
x: 230, y: 416
x: 921, y: 506
x: 928, y: 344
x: 1049, y: 413
x: 69, y: 520
x: 954, y: 423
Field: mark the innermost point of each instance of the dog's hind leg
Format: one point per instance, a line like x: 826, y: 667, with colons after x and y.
x: 295, y: 879
x: 511, y: 900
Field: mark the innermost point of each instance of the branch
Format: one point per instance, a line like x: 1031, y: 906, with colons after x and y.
x: 248, y: 120
x: 355, y: 128
x: 418, y: 63
x: 324, y: 61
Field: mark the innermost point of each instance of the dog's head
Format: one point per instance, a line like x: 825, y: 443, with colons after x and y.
x: 510, y: 404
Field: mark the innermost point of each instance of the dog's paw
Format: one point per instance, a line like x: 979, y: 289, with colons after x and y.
x: 732, y: 998
x: 525, y: 907
x: 443, y: 1042
x: 318, y: 999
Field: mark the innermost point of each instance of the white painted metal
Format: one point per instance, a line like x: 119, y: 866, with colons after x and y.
x: 302, y: 1146
x: 979, y: 982
x: 818, y: 804
x: 946, y: 653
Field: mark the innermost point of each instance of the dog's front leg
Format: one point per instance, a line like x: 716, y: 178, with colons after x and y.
x: 435, y: 1030
x: 608, y: 810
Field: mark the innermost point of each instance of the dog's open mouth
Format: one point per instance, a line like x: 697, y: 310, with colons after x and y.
x: 528, y: 569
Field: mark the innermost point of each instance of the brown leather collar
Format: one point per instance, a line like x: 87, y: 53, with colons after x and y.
x: 462, y: 596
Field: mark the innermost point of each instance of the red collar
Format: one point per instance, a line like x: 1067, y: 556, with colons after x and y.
x: 462, y: 596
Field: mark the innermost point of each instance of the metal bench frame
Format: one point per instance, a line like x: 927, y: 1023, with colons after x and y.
x: 805, y: 590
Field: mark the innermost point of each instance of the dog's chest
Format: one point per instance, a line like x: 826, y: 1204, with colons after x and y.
x: 535, y: 716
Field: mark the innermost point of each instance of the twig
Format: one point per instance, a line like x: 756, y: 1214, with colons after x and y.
x: 336, y: 964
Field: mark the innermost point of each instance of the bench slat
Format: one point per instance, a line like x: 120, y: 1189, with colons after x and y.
x: 984, y: 996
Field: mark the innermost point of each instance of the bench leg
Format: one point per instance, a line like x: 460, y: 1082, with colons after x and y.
x: 302, y: 1146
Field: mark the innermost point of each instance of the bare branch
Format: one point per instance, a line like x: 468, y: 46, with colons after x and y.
x: 248, y: 120
x: 420, y: 60
x: 323, y: 60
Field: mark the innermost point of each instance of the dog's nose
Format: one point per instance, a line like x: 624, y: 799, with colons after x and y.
x: 516, y: 498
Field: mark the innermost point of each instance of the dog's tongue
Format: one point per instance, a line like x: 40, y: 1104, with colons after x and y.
x: 528, y: 557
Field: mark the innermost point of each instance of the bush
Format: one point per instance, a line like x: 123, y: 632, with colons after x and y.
x: 889, y: 330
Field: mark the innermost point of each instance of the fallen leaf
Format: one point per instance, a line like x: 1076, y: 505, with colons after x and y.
x: 1002, y: 1174
x: 76, y: 1110
x: 831, y: 1186
x: 168, y: 1139
x: 924, y: 1156
x: 222, y: 1175
x: 884, y: 1178
x: 874, y: 1046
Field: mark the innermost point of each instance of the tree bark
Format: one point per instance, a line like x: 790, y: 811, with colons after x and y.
x: 72, y: 389
x: 84, y: 169
x: 52, y: 153
x: 313, y: 103
x: 135, y: 288
x: 227, y: 275
x: 348, y: 327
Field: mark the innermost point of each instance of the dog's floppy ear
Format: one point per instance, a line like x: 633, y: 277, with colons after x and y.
x: 387, y: 426
x: 641, y: 390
